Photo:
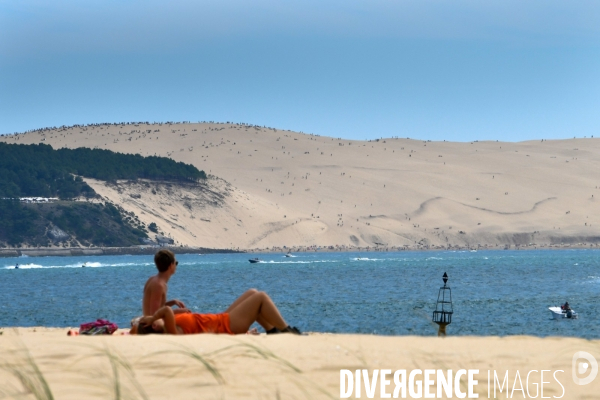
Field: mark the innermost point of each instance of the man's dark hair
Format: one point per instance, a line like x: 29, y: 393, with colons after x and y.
x: 163, y: 259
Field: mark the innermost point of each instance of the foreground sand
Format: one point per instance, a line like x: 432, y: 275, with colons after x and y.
x: 282, y: 188
x: 261, y: 367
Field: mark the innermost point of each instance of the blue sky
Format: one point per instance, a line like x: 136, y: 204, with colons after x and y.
x: 440, y: 70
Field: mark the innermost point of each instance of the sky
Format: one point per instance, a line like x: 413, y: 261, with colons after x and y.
x: 458, y: 70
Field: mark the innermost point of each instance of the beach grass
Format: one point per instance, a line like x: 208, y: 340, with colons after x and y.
x: 27, y: 372
x: 45, y: 364
x: 202, y: 359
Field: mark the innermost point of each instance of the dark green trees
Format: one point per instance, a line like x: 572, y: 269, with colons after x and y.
x: 40, y: 171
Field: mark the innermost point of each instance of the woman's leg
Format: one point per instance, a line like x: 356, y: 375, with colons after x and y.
x: 256, y: 306
x: 243, y: 297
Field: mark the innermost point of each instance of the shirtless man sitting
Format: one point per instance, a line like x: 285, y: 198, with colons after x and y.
x: 155, y: 290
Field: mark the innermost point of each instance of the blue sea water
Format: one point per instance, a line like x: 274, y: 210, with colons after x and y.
x: 494, y: 292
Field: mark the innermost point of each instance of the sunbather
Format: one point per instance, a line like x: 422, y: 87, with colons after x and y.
x: 155, y: 290
x: 252, y: 306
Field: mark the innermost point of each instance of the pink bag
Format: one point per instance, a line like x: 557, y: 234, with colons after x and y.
x: 99, y: 327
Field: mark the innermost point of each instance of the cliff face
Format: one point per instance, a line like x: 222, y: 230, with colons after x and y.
x: 188, y: 214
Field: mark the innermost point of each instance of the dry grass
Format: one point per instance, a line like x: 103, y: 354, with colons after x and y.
x: 101, y: 370
x: 28, y: 374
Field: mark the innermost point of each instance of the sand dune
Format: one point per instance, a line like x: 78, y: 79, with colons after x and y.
x: 270, y: 367
x: 282, y: 188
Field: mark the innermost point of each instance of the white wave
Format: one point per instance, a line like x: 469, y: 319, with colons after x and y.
x: 129, y: 264
x: 25, y: 266
x: 295, y: 262
x: 86, y: 264
x: 76, y: 265
x: 194, y: 263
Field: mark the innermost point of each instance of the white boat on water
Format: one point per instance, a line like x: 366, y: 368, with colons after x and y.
x: 559, y: 313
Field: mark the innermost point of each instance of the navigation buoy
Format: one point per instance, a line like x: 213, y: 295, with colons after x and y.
x: 443, y: 308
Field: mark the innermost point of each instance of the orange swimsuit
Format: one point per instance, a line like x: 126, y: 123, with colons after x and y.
x: 192, y: 323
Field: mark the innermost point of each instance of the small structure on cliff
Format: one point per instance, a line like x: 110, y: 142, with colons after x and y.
x: 162, y: 240
x: 57, y: 234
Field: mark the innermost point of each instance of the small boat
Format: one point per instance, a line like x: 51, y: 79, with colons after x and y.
x: 255, y: 260
x: 560, y: 313
x: 289, y: 255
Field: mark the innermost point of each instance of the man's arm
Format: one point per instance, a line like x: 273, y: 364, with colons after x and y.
x: 175, y: 302
x: 166, y: 314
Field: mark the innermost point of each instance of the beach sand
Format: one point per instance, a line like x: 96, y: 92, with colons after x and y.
x: 266, y: 367
x: 273, y: 187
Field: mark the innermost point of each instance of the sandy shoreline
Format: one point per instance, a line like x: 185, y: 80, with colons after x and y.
x: 147, y: 250
x: 103, y: 251
x: 268, y: 367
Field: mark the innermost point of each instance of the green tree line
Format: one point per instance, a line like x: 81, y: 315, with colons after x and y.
x: 98, y: 224
x: 39, y: 170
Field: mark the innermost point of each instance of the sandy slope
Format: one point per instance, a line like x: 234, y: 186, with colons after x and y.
x: 274, y: 367
x: 293, y: 189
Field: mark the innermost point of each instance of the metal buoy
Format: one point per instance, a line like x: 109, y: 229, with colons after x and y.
x: 443, y: 308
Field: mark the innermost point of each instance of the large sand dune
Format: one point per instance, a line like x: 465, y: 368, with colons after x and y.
x: 279, y: 188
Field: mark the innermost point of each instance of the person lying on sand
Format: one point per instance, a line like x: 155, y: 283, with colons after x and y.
x: 155, y: 290
x: 252, y: 306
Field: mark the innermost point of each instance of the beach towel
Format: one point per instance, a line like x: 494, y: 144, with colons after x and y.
x: 98, y: 327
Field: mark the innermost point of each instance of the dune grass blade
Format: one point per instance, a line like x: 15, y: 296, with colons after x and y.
x: 262, y: 352
x: 115, y: 371
x: 197, y: 357
x: 301, y: 382
x: 118, y: 363
x: 31, y: 377
x: 207, y: 364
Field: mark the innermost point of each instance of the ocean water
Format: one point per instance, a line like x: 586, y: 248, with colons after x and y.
x: 494, y: 292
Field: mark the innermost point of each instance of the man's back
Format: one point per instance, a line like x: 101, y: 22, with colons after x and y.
x: 155, y: 295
